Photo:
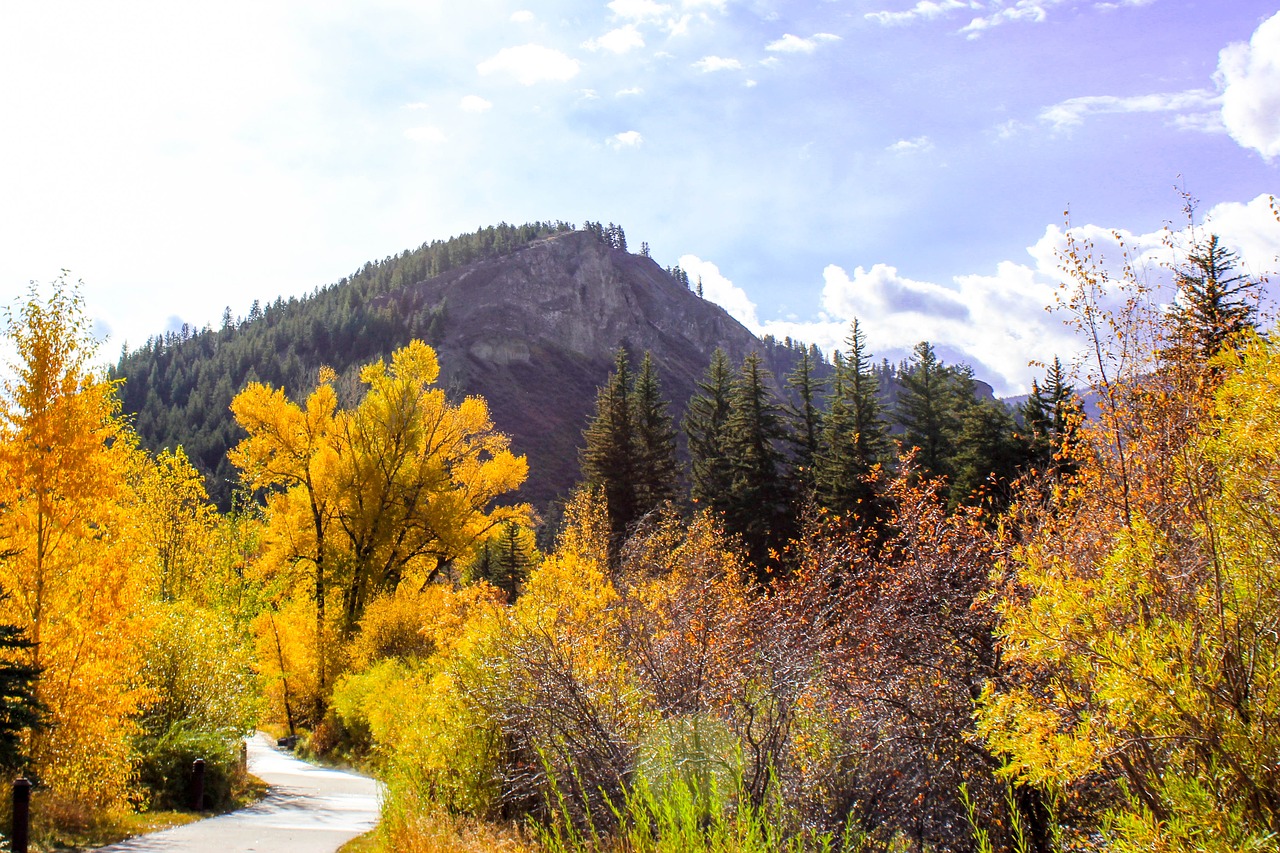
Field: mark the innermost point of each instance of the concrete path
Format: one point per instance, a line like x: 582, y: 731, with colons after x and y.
x: 307, y: 809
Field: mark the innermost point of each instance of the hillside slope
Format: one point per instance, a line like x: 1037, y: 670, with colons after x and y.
x: 530, y: 321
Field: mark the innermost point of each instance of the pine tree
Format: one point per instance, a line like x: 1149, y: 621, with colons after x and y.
x: 1215, y: 302
x: 758, y: 505
x: 706, y: 424
x: 807, y: 419
x: 607, y: 459
x: 989, y: 454
x: 929, y: 410
x: 20, y: 710
x: 855, y: 436
x: 1050, y: 417
x: 654, y: 436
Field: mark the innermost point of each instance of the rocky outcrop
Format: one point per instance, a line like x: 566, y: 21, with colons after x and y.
x: 535, y: 333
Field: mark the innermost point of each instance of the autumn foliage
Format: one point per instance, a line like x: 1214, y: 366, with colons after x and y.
x: 1078, y: 654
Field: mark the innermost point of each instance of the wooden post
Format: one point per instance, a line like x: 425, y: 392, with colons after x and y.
x: 21, y: 815
x: 197, y: 784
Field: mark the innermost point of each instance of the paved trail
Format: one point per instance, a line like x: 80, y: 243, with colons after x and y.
x: 307, y: 810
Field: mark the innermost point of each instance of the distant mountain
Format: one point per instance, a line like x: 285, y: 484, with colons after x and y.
x: 529, y: 317
x: 535, y: 333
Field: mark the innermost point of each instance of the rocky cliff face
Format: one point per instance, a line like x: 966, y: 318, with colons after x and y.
x: 535, y: 333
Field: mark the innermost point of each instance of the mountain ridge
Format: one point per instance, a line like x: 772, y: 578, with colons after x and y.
x: 529, y: 317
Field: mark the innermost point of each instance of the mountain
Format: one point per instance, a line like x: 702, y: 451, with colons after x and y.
x: 535, y: 333
x: 529, y: 317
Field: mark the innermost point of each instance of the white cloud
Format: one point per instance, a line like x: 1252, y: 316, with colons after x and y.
x: 717, y: 63
x: 1192, y: 106
x: 639, y: 10
x: 425, y: 134
x: 926, y: 9
x: 1009, y: 129
x: 1249, y: 228
x: 1200, y: 122
x: 996, y: 322
x: 618, y: 41
x: 794, y: 44
x: 522, y: 16
x: 1246, y: 105
x: 721, y: 291
x: 624, y: 93
x: 679, y: 26
x: 921, y: 144
x: 530, y: 64
x: 417, y: 105
x: 1121, y: 3
x: 474, y: 104
x: 626, y: 139
x: 1249, y: 75
x: 1035, y: 11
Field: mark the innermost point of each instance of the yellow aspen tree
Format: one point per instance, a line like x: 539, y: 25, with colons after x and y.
x: 73, y: 561
x: 417, y: 478
x: 391, y: 491
x: 289, y: 448
x: 178, y: 522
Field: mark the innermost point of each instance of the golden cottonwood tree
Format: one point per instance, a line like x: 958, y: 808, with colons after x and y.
x: 74, y: 561
x: 178, y: 522
x: 416, y: 479
x: 392, y: 490
x: 290, y: 449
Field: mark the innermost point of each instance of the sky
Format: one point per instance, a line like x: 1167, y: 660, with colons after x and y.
x: 911, y: 163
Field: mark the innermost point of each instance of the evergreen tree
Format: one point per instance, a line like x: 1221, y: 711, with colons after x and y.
x: 608, y: 458
x: 706, y: 424
x: 1215, y: 302
x: 20, y: 711
x: 989, y: 454
x: 930, y: 407
x: 654, y: 435
x: 505, y: 559
x: 758, y: 505
x: 1050, y: 417
x: 807, y: 419
x: 855, y: 436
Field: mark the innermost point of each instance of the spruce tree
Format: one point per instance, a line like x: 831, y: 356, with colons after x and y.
x: 630, y: 447
x: 930, y: 406
x: 1215, y: 302
x: 706, y: 424
x: 989, y: 454
x: 758, y: 505
x: 1050, y: 417
x: 505, y: 559
x: 607, y: 459
x: 855, y: 436
x: 807, y: 419
x: 20, y: 711
x: 656, y: 470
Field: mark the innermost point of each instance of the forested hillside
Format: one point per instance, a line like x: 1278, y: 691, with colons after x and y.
x: 179, y: 385
x: 526, y: 316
